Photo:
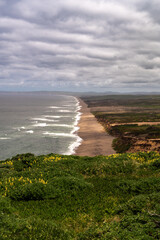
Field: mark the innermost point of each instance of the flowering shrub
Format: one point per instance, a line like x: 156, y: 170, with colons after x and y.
x: 104, y: 197
x: 53, y: 159
x: 15, y: 187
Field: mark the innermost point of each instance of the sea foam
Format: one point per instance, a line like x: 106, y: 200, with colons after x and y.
x: 61, y: 125
x: 64, y: 110
x: 4, y: 138
x: 54, y: 107
x: 59, y: 134
x: 74, y: 127
x: 73, y: 146
x: 50, y: 116
x: 40, y: 125
x: 55, y: 116
x: 44, y: 119
x: 30, y: 131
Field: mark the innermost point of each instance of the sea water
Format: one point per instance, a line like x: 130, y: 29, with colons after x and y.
x: 38, y: 123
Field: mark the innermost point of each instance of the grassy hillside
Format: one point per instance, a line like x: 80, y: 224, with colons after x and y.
x: 71, y: 197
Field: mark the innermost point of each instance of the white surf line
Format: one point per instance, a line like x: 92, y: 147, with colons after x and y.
x: 52, y: 125
x: 67, y: 105
x: 73, y: 146
x: 78, y: 116
x: 54, y: 107
x: 4, y: 138
x: 44, y: 119
x: 40, y: 125
x: 56, y: 116
x: 61, y: 125
x: 63, y: 111
x: 51, y: 116
x: 59, y: 134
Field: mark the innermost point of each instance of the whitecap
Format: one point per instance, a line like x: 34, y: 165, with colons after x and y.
x: 61, y: 125
x: 40, y: 125
x: 19, y: 128
x: 30, y: 131
x: 63, y: 110
x: 44, y: 119
x: 4, y: 138
x: 59, y: 134
x: 54, y: 107
x: 51, y: 116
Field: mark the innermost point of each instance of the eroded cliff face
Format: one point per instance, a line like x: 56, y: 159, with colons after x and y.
x: 145, y: 145
x: 129, y: 141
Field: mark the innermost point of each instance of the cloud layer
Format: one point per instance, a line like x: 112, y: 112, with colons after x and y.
x: 75, y: 45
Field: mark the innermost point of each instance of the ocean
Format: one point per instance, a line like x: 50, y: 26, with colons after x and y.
x: 39, y: 123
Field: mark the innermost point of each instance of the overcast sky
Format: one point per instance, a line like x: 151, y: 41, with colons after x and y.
x: 97, y: 45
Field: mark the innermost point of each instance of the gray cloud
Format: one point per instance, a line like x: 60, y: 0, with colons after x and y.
x: 71, y: 44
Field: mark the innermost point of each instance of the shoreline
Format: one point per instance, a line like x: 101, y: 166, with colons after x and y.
x: 73, y: 146
x: 95, y: 140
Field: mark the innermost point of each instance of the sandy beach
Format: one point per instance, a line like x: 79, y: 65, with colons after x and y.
x: 95, y: 139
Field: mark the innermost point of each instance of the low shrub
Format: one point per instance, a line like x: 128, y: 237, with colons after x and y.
x: 22, y: 161
x: 33, y: 191
x: 62, y: 186
x: 121, y: 145
x: 139, y: 186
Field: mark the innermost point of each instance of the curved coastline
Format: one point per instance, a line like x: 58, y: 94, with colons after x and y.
x: 73, y: 146
x: 95, y: 140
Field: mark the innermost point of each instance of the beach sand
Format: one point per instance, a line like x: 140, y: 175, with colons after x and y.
x: 95, y: 139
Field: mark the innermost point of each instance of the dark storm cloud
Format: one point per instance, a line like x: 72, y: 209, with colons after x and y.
x: 69, y: 43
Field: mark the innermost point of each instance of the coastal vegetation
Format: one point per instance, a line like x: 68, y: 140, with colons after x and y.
x: 81, y: 198
x: 134, y: 120
x: 132, y: 100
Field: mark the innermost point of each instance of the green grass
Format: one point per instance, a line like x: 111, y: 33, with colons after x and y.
x: 128, y: 117
x: 143, y: 101
x: 71, y: 197
x: 135, y: 130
